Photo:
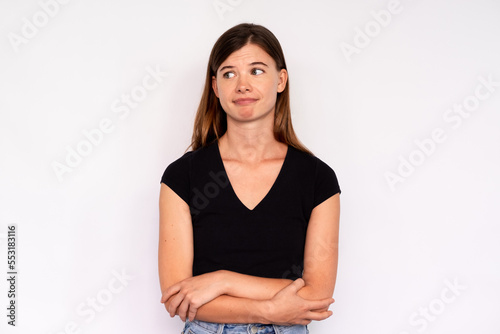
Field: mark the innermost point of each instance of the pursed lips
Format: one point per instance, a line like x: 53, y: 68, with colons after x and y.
x: 244, y: 101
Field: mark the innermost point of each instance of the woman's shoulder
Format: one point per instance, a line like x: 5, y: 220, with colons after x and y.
x: 315, y: 173
x: 178, y: 173
x: 195, y: 157
x: 306, y: 159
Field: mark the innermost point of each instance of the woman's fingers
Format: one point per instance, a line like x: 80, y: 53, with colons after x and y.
x: 185, y: 297
x: 192, y: 313
x: 183, y: 308
x: 297, y: 284
x: 318, y: 316
x: 170, y: 292
x: 320, y: 304
x: 290, y: 308
x: 173, y: 304
x: 292, y: 288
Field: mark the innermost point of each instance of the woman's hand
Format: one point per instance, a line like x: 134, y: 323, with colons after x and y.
x: 184, y: 298
x: 288, y: 308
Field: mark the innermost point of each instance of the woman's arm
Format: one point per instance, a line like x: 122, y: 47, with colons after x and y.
x: 285, y: 308
x: 175, y: 248
x: 227, y: 282
x: 175, y: 256
x: 321, y: 250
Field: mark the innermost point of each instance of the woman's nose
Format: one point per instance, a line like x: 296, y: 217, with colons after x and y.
x: 243, y: 84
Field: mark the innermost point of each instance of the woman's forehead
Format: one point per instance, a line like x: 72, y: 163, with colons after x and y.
x: 248, y: 54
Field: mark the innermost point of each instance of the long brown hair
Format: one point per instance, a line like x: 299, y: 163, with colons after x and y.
x: 210, y: 121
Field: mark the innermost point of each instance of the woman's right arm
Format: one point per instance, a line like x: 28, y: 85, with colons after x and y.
x: 285, y: 308
x: 175, y: 248
x: 272, y: 301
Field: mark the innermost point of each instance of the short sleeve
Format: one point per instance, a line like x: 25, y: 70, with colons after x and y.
x: 326, y: 183
x: 176, y: 177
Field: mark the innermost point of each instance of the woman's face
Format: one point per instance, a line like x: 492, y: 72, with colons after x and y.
x: 247, y: 84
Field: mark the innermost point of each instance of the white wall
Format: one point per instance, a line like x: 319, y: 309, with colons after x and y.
x: 420, y: 182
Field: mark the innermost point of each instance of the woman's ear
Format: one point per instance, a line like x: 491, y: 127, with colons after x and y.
x: 214, y: 86
x: 283, y: 78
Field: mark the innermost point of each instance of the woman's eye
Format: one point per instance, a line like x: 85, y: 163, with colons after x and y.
x: 228, y: 75
x: 257, y: 71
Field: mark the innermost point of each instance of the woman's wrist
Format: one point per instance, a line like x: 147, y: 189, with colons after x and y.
x: 260, y: 311
x: 223, y: 277
x: 264, y: 311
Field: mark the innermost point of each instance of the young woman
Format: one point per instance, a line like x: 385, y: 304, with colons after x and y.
x: 249, y: 218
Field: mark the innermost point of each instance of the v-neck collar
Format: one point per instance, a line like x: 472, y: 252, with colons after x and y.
x: 274, y: 185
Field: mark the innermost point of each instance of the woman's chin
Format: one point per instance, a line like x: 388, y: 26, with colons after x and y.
x: 248, y: 115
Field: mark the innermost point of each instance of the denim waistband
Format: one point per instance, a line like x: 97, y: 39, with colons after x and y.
x: 202, y: 327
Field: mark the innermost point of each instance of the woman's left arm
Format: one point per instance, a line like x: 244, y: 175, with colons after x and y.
x: 321, y: 250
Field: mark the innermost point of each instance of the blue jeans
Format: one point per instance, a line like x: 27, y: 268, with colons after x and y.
x: 201, y: 327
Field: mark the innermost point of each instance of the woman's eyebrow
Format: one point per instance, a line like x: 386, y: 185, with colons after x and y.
x: 258, y: 63
x: 225, y: 67
x: 251, y: 64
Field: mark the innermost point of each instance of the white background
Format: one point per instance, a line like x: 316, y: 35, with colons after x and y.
x: 361, y: 113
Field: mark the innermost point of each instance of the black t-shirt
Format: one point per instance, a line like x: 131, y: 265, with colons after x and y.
x: 267, y: 241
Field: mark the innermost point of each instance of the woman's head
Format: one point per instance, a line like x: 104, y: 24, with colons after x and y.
x: 247, y: 84
x: 211, y: 123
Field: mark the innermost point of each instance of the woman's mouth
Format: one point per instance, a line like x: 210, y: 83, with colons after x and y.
x: 244, y: 101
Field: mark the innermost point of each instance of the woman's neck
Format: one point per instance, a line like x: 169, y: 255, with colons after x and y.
x: 250, y: 145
